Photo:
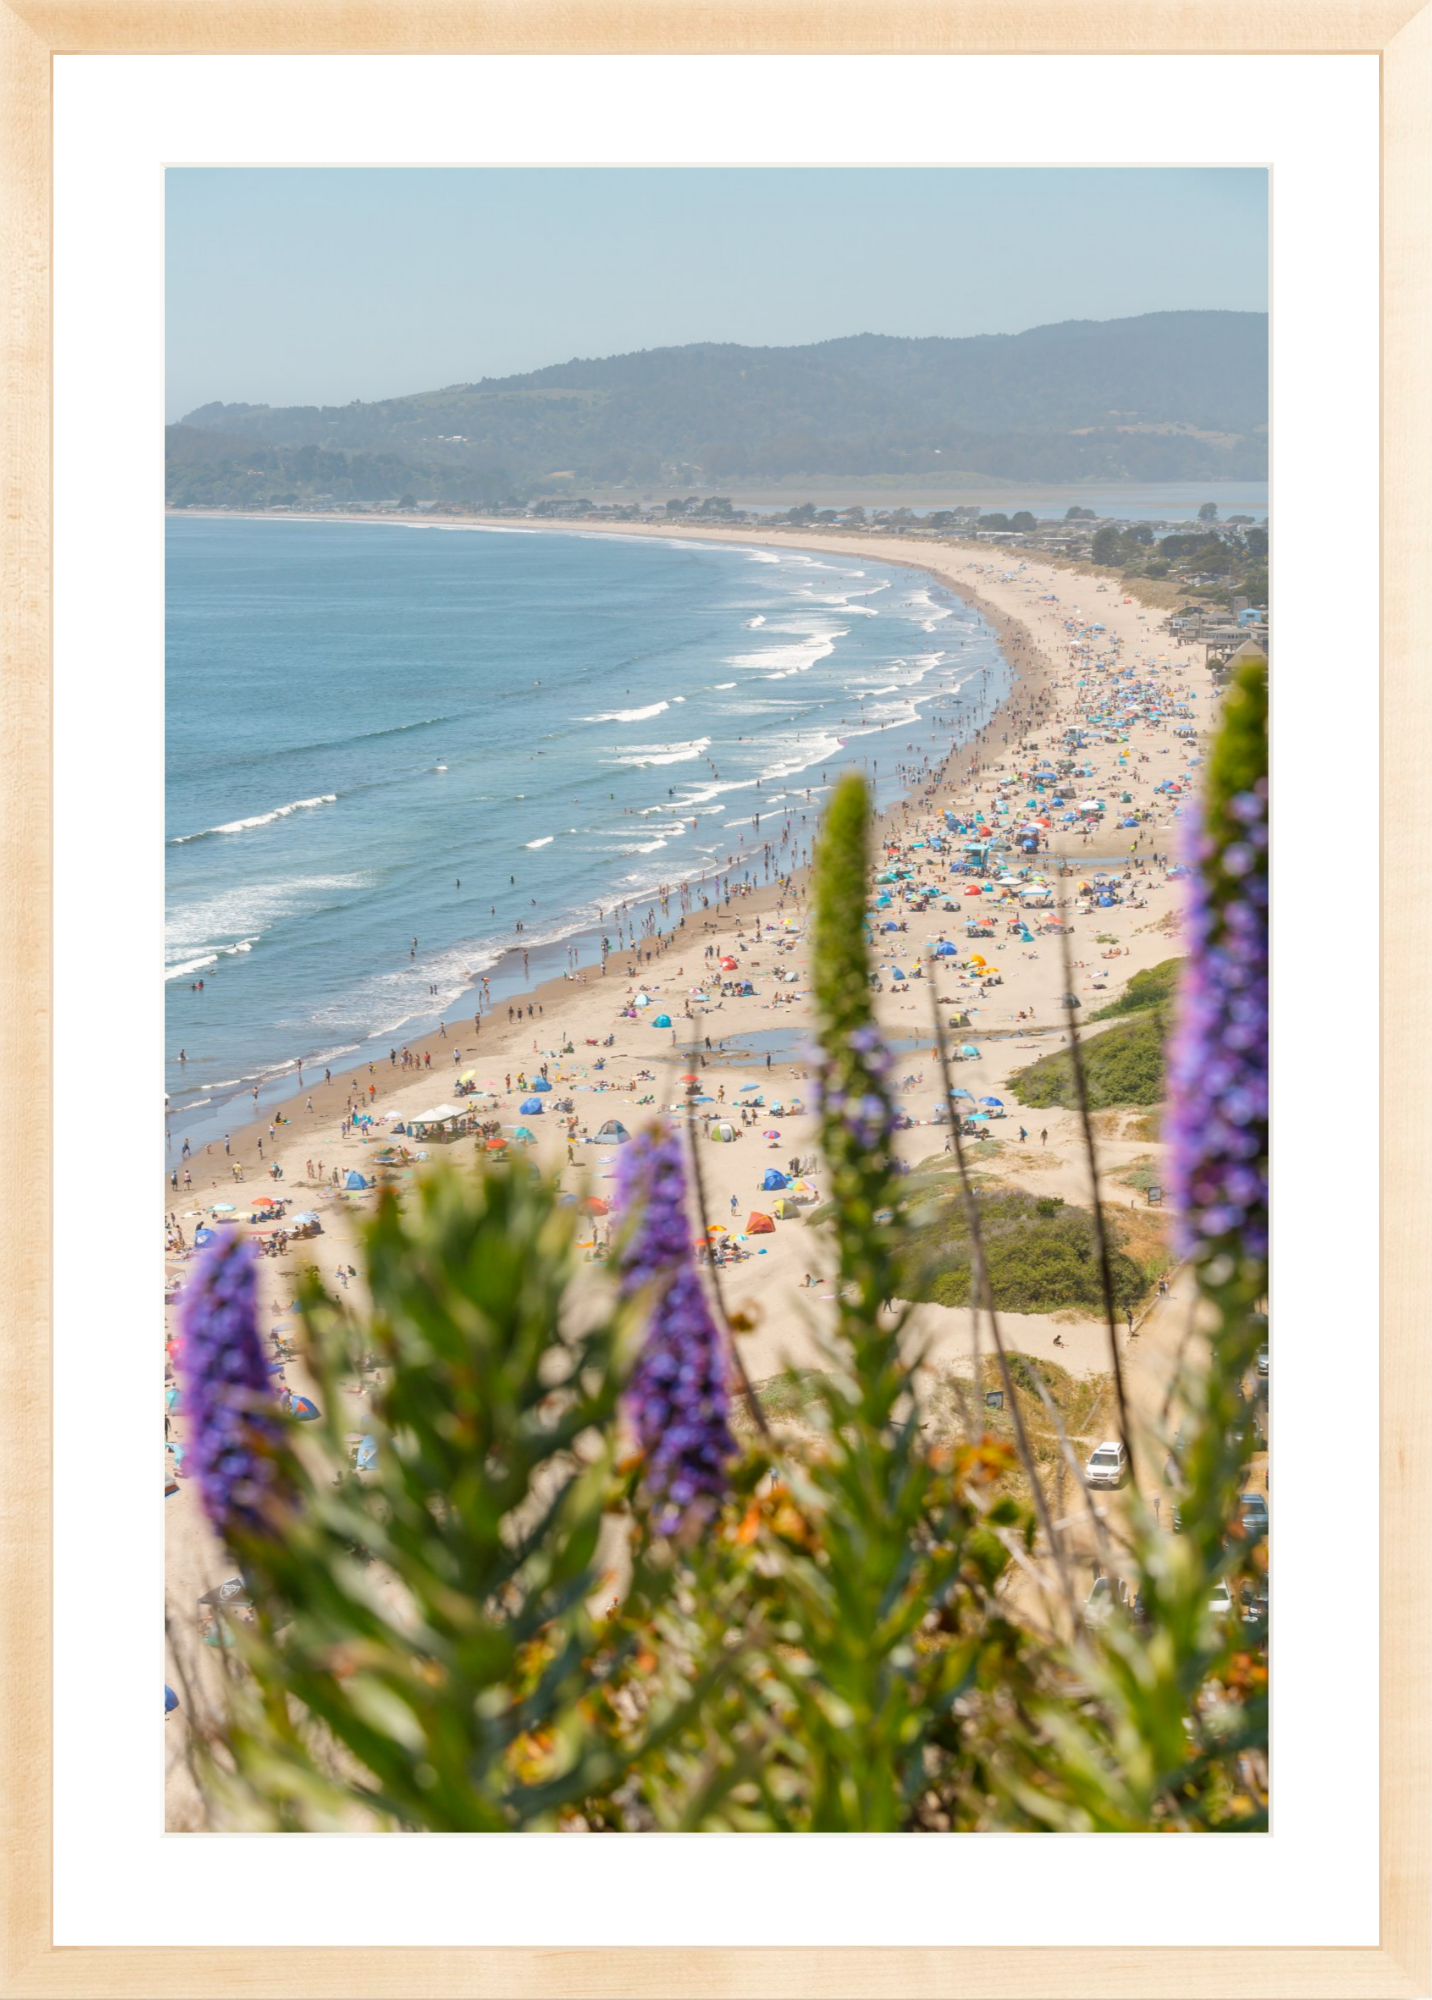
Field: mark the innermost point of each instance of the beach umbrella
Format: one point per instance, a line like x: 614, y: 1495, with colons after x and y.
x: 530, y: 1107
x: 997, y: 1103
x: 963, y: 1093
x: 688, y: 1078
x: 771, y: 1135
x: 223, y: 1208
x: 749, y: 1086
x: 595, y: 1205
x: 232, y: 1591
x: 171, y: 1700
x: 497, y: 1146
x: 717, y: 1229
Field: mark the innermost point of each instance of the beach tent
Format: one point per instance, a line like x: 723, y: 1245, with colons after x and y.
x: 662, y: 1021
x: 367, y: 1454
x: 522, y: 1137
x: 785, y: 1209
x: 613, y: 1133
x: 774, y: 1178
x: 353, y: 1179
x: 759, y: 1225
x: 642, y: 1000
x: 530, y: 1107
x: 723, y: 1133
x: 946, y: 950
x: 171, y: 1700
x: 969, y: 1052
x: 304, y: 1410
x: 204, y: 1237
x: 540, y: 1083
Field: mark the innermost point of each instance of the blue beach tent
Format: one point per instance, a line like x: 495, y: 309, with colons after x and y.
x: 530, y: 1107
x: 540, y: 1083
x: 774, y: 1179
x: 353, y: 1179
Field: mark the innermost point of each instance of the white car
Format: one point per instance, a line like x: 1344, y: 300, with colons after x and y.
x: 1219, y: 1601
x: 1107, y: 1465
x: 1102, y: 1599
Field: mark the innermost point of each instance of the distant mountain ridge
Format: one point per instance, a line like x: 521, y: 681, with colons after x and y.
x: 1165, y: 396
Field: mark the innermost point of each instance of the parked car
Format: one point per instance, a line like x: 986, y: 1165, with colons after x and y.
x: 1254, y: 1509
x: 1219, y: 1601
x: 1107, y: 1466
x: 1263, y: 1359
x: 1104, y: 1595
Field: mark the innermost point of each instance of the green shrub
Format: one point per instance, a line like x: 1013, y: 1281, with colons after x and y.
x: 1123, y: 1065
x: 1041, y: 1255
x: 1154, y: 987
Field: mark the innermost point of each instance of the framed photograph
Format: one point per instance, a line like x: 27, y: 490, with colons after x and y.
x: 767, y: 679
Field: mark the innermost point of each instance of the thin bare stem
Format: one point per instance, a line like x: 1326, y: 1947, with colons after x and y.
x: 943, y: 1055
x: 980, y: 1273
x: 1101, y: 1234
x: 1053, y: 1411
x: 698, y: 1182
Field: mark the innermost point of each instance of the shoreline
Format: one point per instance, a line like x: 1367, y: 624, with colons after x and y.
x: 278, y: 1093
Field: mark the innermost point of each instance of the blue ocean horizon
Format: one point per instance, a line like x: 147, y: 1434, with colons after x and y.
x: 388, y: 747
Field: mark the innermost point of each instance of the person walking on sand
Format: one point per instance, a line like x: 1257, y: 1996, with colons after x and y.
x: 1044, y: 1137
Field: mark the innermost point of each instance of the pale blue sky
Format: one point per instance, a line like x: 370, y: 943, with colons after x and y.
x: 321, y: 285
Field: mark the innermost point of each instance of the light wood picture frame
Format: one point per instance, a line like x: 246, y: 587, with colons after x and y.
x: 1399, y: 32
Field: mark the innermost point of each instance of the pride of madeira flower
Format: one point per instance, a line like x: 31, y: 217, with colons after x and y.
x: 679, y: 1395
x: 234, y: 1429
x: 1218, y: 1065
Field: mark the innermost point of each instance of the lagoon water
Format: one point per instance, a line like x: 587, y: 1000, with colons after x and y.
x: 377, y: 734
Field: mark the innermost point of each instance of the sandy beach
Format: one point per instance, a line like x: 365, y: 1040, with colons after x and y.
x: 565, y: 1024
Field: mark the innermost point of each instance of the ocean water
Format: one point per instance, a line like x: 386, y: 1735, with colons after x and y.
x: 388, y: 747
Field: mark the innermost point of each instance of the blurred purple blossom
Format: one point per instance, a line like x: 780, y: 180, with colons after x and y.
x: 234, y: 1430
x: 679, y: 1394
x: 1218, y: 1060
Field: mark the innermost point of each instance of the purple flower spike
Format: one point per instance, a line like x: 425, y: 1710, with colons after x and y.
x: 1218, y: 1059
x: 679, y: 1393
x: 234, y: 1431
